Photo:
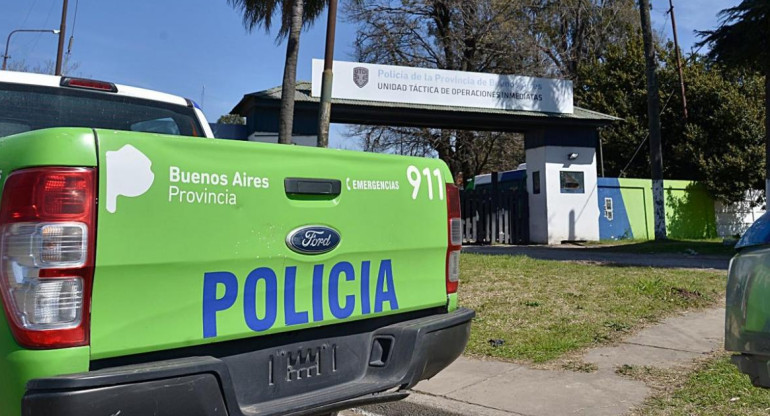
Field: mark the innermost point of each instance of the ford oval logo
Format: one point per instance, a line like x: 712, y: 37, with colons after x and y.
x: 315, y: 239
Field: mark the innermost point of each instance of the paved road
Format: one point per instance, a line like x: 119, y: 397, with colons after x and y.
x: 602, y: 255
x: 406, y: 407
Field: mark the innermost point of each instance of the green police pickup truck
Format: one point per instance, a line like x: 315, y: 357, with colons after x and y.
x: 147, y: 272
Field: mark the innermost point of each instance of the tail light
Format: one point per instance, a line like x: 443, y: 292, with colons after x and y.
x: 454, y: 237
x: 47, y: 223
x: 88, y: 84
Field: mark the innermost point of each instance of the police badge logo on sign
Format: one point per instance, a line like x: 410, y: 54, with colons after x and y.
x: 361, y: 76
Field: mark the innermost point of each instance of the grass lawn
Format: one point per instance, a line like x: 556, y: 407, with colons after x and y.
x: 544, y: 309
x: 701, y: 247
x: 715, y: 388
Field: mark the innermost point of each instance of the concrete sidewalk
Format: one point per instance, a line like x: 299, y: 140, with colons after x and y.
x: 602, y: 255
x: 491, y: 388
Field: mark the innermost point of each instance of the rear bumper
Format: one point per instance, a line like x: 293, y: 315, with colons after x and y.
x: 754, y: 366
x: 349, y: 365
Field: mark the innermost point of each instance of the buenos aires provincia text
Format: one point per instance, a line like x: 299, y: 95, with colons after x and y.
x: 470, y: 92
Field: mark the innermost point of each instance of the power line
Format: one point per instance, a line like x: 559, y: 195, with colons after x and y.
x: 74, y: 22
x: 647, y: 136
x: 45, y: 24
x: 671, y: 94
x: 678, y: 58
x: 24, y: 22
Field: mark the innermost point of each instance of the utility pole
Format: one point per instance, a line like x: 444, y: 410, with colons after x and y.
x: 62, y: 29
x: 678, y: 58
x: 653, y: 113
x: 325, y: 107
x: 8, y: 41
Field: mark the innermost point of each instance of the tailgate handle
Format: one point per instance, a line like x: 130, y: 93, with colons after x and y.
x: 312, y: 186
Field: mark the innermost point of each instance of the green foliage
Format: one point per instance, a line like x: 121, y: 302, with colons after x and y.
x: 231, y: 119
x: 598, y: 45
x: 742, y: 41
x: 721, y: 142
x: 743, y: 37
x: 260, y: 13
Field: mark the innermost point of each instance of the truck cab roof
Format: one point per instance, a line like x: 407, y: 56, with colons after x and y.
x: 102, y: 90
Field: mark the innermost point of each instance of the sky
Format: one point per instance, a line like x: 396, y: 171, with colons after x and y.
x: 200, y: 50
x: 691, y: 15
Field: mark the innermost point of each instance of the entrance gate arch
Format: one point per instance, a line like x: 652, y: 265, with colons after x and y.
x: 561, y: 149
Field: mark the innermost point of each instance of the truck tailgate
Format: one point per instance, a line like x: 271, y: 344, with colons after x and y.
x: 193, y: 239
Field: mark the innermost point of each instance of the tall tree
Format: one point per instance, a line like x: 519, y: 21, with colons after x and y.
x: 743, y: 40
x: 532, y: 37
x: 456, y: 35
x: 565, y: 33
x: 294, y: 14
x: 720, y: 144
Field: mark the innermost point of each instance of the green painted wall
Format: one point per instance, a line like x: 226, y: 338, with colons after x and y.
x: 689, y: 209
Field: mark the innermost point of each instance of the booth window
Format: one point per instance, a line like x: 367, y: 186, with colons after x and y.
x: 536, y: 182
x: 571, y: 182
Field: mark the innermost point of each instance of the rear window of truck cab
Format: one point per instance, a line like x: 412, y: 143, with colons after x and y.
x: 30, y: 107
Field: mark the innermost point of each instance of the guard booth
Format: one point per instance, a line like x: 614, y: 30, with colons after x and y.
x: 561, y: 140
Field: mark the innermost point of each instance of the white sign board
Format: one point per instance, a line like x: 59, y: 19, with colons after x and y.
x: 398, y: 84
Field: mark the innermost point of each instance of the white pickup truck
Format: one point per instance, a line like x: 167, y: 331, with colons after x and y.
x: 34, y: 101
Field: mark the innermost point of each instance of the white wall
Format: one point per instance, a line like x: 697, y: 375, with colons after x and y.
x: 538, y: 203
x: 735, y: 219
x: 556, y: 216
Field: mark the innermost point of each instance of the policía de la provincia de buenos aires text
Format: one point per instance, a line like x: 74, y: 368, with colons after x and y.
x: 455, y: 85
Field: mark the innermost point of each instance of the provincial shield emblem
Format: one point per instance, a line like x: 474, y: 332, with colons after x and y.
x: 361, y: 76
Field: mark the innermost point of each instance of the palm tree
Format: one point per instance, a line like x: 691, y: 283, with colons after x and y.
x: 294, y: 15
x: 743, y: 40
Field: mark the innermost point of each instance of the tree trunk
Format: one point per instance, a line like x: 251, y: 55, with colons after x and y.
x: 653, y: 113
x: 442, y: 20
x: 290, y: 73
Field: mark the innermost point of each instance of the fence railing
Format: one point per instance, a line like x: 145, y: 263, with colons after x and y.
x: 489, y: 220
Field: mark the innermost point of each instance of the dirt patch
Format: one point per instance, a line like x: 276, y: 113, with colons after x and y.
x: 687, y: 294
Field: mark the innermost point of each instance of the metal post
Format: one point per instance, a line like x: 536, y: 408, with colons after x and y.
x: 5, y: 55
x: 678, y: 58
x: 494, y: 232
x: 8, y: 41
x: 325, y: 107
x: 62, y: 30
x: 653, y: 113
x: 601, y: 155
